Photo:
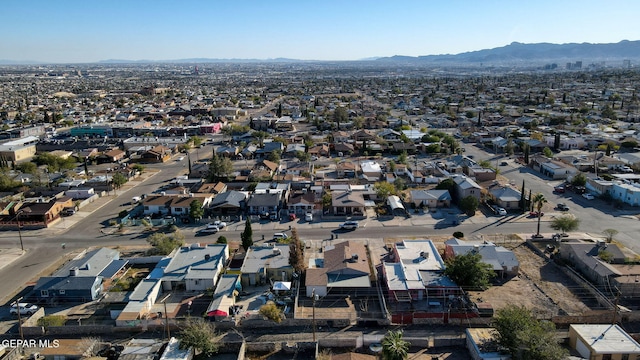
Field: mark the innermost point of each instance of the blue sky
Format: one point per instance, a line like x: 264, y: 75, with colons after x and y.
x: 71, y: 31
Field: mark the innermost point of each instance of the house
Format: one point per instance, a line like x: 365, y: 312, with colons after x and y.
x: 212, y: 188
x: 344, y: 148
x: 224, y: 297
x: 416, y: 274
x: 181, y: 205
x: 194, y: 267
x: 263, y: 203
x: 270, y: 147
x: 319, y: 150
x: 347, y: 203
x: 301, y: 203
x: 81, y: 279
x: 627, y: 193
x: 345, y: 270
x: 602, y: 341
x: 483, y: 345
x: 158, y: 204
x: 552, y: 168
x: 264, y: 263
x: 111, y: 156
x: 228, y: 203
x: 157, y: 154
x: 430, y: 198
x: 586, y: 258
x: 503, y: 261
x: 465, y: 186
x: 506, y: 197
x: 346, y: 169
x: 371, y: 170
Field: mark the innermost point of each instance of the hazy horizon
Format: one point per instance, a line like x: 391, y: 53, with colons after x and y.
x: 77, y: 31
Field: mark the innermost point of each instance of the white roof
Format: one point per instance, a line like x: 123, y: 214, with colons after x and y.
x: 607, y: 339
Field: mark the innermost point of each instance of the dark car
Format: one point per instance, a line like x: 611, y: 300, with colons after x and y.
x: 562, y: 207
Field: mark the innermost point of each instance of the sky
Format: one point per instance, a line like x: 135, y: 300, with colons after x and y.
x: 80, y: 31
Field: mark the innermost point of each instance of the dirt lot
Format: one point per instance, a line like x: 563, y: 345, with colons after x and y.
x: 541, y: 287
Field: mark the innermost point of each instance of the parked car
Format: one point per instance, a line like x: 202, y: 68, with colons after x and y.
x: 504, y: 163
x: 280, y: 236
x: 219, y: 224
x: 273, y: 216
x: 562, y: 207
x: 535, y: 214
x: 181, y: 158
x: 501, y: 211
x: 626, y: 169
x: 292, y: 217
x: 68, y: 211
x: 559, y: 189
x: 349, y: 225
x: 209, y: 229
x: 588, y: 196
x: 25, y: 309
x: 308, y: 217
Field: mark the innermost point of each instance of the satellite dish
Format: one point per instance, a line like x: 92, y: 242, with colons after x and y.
x: 375, y: 348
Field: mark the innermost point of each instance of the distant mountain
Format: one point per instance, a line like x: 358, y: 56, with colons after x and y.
x: 195, y: 61
x: 542, y: 52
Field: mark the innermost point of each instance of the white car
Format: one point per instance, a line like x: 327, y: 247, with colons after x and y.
x: 588, y: 196
x: 25, y: 309
x: 349, y: 225
x: 181, y: 158
x: 210, y: 229
x: 219, y: 224
x: 280, y: 236
x: 308, y: 217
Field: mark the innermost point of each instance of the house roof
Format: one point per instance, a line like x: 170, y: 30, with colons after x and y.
x: 506, y: 193
x: 465, y: 182
x: 66, y: 283
x: 195, y: 262
x: 439, y: 195
x: 347, y: 199
x: 496, y: 256
x: 264, y: 199
x: 92, y: 263
x: 306, y: 199
x: 228, y: 199
x: 262, y: 257
x: 606, y: 339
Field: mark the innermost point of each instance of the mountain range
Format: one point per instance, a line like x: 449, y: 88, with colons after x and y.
x: 530, y: 53
x: 514, y: 53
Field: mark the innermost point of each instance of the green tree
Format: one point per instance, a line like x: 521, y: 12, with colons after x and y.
x: 271, y: 311
x: 468, y: 271
x: 139, y: 168
x: 247, y: 235
x: 195, y: 140
x: 221, y: 240
x: 326, y: 199
x: 340, y: 115
x: 199, y: 335
x: 118, y: 180
x: 392, y: 166
x: 609, y: 233
x: 524, y: 337
x: 539, y: 200
x: 275, y: 156
x: 394, y: 347
x: 164, y: 244
x: 220, y: 168
x: 526, y: 149
x: 579, y: 180
x: 447, y: 184
x: 296, y: 252
x: 384, y: 190
x: 196, y: 211
x: 303, y: 156
x: 402, y: 158
x: 28, y: 168
x: 547, y: 152
x: 260, y: 136
x: 469, y: 205
x: 509, y: 148
x: 565, y: 223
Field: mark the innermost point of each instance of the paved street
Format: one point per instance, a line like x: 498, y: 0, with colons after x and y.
x: 44, y: 247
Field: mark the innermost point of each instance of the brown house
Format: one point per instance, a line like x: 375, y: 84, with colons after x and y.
x: 157, y: 154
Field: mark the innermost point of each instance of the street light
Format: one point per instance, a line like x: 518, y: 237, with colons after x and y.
x: 18, y: 213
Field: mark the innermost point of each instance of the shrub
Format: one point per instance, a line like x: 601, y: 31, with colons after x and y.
x: 52, y: 320
x: 271, y: 311
x: 221, y: 240
x: 458, y: 235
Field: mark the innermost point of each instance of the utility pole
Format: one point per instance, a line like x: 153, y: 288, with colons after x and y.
x: 19, y: 319
x: 313, y: 297
x: 615, y: 307
x: 166, y: 316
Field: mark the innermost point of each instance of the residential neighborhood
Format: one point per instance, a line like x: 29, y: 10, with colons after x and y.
x: 419, y: 203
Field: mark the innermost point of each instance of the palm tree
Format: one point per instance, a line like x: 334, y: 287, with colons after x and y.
x: 394, y: 347
x: 539, y: 200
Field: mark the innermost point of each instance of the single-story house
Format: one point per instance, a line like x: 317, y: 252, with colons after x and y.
x: 430, y: 198
x: 345, y: 270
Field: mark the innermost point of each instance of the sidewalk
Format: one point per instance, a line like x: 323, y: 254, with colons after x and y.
x: 64, y: 223
x: 8, y: 256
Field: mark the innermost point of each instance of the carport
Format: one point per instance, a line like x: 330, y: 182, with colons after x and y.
x: 396, y: 206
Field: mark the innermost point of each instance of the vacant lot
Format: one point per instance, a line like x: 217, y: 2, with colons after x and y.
x: 541, y: 287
